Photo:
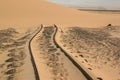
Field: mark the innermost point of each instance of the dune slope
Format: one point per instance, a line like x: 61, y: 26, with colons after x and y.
x: 34, y: 12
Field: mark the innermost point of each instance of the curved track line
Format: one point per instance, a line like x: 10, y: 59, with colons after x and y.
x: 37, y: 77
x: 70, y: 58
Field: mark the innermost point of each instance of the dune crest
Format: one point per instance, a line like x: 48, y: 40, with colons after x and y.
x: 34, y: 12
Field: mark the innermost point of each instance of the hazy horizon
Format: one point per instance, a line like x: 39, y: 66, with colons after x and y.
x: 108, y: 4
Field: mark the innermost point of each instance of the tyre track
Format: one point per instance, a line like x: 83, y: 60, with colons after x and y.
x: 37, y: 77
x: 88, y: 77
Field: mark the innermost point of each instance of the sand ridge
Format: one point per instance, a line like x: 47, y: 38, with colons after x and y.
x: 35, y: 12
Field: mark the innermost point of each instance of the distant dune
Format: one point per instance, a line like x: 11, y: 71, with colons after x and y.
x: 27, y: 13
x: 100, y: 10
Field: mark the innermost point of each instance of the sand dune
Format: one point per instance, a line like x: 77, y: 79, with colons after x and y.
x: 25, y: 15
x: 29, y: 13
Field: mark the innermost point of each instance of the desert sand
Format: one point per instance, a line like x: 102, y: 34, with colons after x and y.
x: 97, y: 49
x: 29, y: 13
x: 20, y: 20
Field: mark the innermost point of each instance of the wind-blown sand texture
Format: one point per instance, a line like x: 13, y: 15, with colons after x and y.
x: 15, y: 61
x: 96, y: 48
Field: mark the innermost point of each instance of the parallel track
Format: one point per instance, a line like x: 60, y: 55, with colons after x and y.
x: 37, y: 77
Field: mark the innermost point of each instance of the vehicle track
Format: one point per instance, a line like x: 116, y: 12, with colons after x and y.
x: 37, y: 77
x: 70, y: 58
